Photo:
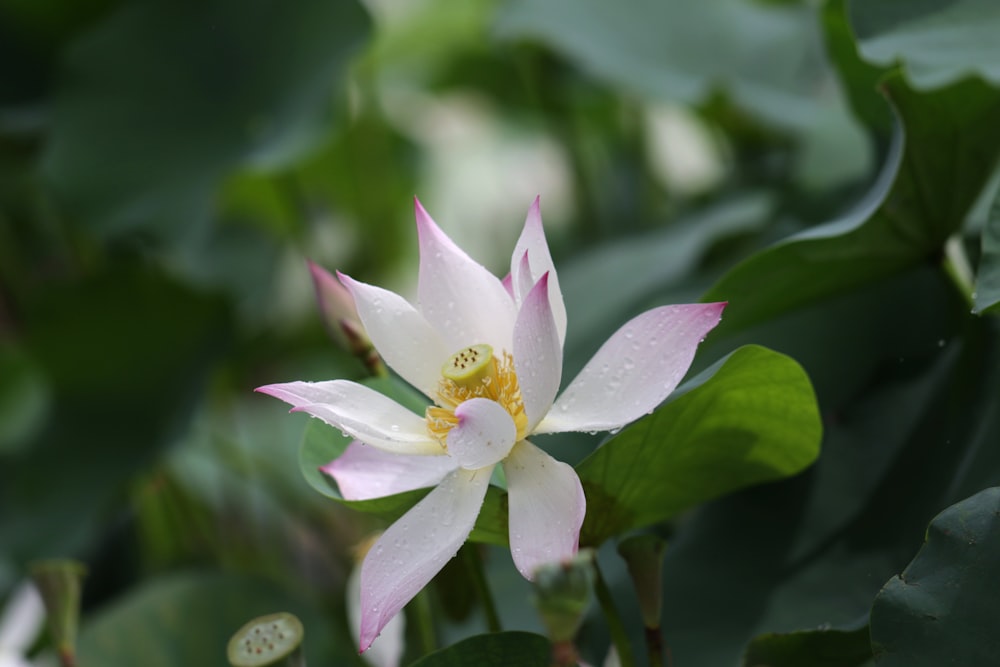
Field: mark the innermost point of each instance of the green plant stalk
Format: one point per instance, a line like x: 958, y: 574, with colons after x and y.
x: 957, y: 266
x: 474, y: 563
x: 425, y: 622
x: 654, y: 646
x: 619, y: 636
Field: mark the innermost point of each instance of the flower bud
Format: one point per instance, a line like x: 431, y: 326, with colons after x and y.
x: 643, y: 555
x: 340, y: 315
x: 562, y: 594
x: 59, y: 583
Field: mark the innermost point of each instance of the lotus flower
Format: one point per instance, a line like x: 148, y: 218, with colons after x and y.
x: 488, y: 354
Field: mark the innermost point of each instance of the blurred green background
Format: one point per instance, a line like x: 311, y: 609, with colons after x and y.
x: 166, y: 168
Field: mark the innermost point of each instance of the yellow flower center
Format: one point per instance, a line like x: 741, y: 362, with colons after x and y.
x: 475, y: 372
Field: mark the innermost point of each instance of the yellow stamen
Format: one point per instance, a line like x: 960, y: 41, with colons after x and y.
x: 475, y: 372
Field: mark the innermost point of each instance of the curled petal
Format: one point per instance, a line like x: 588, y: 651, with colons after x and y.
x: 634, y: 370
x: 364, y: 472
x: 483, y: 435
x: 403, y: 338
x: 547, y: 506
x: 532, y: 243
x: 360, y: 412
x: 417, y: 546
x: 537, y: 352
x: 463, y: 301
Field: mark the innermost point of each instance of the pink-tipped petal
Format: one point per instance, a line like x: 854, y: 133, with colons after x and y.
x: 364, y: 472
x: 547, y: 506
x: 361, y: 412
x: 537, y: 352
x: 532, y: 242
x: 417, y: 546
x: 484, y: 434
x: 387, y: 651
x: 464, y: 302
x: 508, y: 285
x: 525, y: 281
x: 404, y: 339
x: 634, y: 370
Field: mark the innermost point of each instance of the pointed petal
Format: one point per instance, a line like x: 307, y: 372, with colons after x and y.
x: 464, y: 302
x: 508, y: 285
x: 525, y: 281
x: 417, y: 546
x: 364, y: 472
x: 532, y: 241
x: 547, y: 506
x: 537, y: 352
x: 634, y: 370
x: 405, y: 340
x: 360, y: 412
x: 484, y: 434
x: 387, y: 651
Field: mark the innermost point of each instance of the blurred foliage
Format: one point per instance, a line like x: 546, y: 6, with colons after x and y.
x: 828, y: 168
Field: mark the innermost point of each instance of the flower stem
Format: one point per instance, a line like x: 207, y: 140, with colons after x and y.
x: 425, y: 623
x: 956, y: 265
x: 619, y: 637
x: 474, y: 563
x: 654, y: 646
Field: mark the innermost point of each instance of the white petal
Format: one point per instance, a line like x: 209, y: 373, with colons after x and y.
x: 525, y: 281
x: 537, y: 352
x: 387, y: 651
x: 404, y: 339
x: 634, y: 370
x: 360, y: 412
x: 417, y: 546
x: 532, y: 241
x: 364, y: 472
x: 22, y: 619
x: 547, y: 506
x: 484, y: 434
x: 464, y: 302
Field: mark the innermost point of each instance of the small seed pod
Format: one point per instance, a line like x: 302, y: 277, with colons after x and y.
x: 273, y: 640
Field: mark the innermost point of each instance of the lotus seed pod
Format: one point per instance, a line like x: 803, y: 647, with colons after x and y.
x: 272, y: 640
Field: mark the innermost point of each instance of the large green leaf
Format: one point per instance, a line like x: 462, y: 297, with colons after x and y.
x: 939, y: 42
x: 947, y: 146
x: 908, y: 383
x: 768, y: 58
x: 187, y: 619
x: 322, y: 443
x: 942, y: 609
x: 161, y: 100
x: 810, y: 648
x: 124, y: 355
x: 750, y: 419
x: 987, y: 293
x: 501, y: 649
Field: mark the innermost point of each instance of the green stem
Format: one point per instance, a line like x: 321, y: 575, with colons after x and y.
x: 956, y: 265
x: 619, y: 637
x: 425, y: 622
x: 474, y: 563
x: 654, y: 646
